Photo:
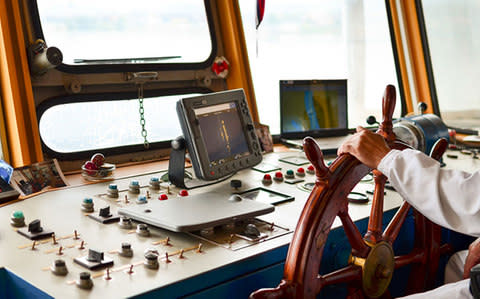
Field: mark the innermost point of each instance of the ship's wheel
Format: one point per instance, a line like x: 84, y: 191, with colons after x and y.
x: 372, y: 261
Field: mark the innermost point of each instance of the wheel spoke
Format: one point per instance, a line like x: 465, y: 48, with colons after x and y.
x: 374, y: 233
x: 414, y: 257
x: 347, y: 274
x: 359, y: 248
x: 393, y: 228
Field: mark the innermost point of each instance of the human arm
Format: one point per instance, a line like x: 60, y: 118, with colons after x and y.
x: 447, y: 197
x: 450, y: 198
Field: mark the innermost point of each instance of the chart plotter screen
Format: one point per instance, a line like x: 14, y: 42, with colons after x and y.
x: 219, y: 133
x: 222, y: 132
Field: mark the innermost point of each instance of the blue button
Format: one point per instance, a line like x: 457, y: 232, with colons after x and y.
x: 142, y: 199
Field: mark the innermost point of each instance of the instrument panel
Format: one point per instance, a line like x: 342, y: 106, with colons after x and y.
x: 83, y: 256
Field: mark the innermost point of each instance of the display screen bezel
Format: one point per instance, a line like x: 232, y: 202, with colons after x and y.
x: 195, y: 140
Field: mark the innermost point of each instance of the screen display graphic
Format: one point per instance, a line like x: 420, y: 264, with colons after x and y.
x: 313, y: 105
x: 219, y: 133
x: 222, y: 132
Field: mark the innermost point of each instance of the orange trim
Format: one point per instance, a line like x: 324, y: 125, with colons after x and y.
x: 233, y: 39
x: 27, y: 20
x: 16, y: 89
x: 415, y: 49
x: 401, y: 56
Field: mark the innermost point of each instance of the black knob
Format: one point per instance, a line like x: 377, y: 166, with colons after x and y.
x: 95, y: 256
x: 104, y: 212
x: 178, y: 143
x: 235, y: 184
x: 422, y: 107
x: 252, y: 231
x: 35, y: 227
x: 371, y: 120
x: 84, y: 276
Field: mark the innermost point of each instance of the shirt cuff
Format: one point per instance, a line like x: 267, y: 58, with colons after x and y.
x: 387, y: 162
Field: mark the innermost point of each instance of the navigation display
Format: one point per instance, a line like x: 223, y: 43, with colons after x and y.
x: 219, y: 133
x: 222, y: 132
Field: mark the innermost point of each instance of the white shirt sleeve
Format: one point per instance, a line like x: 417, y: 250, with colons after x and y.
x: 450, y: 198
x: 456, y: 290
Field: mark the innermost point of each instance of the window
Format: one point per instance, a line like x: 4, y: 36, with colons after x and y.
x: 86, y: 126
x: 105, y: 45
x: 321, y: 40
x: 453, y: 33
x: 126, y: 32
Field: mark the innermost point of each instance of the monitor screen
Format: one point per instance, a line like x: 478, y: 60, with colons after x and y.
x: 313, y: 107
x: 222, y: 132
x: 219, y: 133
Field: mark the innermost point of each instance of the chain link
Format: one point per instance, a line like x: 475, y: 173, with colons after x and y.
x: 141, y: 110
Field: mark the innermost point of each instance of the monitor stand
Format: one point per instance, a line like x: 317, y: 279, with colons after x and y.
x: 176, y: 167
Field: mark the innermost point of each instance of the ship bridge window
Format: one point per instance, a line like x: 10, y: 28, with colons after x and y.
x: 453, y: 35
x: 313, y: 39
x: 111, y: 33
x: 77, y: 126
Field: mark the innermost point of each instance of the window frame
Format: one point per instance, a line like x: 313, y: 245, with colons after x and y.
x: 137, y: 67
x: 396, y: 57
x: 427, y: 57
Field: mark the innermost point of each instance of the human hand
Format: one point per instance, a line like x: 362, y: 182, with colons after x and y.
x: 473, y: 257
x: 368, y: 147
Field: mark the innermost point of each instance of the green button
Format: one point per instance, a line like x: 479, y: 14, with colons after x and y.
x: 18, y: 215
x: 87, y: 200
x: 289, y: 172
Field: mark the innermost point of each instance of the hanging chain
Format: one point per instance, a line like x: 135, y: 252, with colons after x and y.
x: 146, y: 145
x: 140, y: 78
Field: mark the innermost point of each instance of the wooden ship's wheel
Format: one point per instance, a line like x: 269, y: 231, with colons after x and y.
x: 372, y: 260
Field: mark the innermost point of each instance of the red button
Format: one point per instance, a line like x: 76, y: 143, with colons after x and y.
x: 311, y: 168
x: 300, y: 170
x: 278, y: 174
x: 267, y: 177
x: 183, y: 192
x: 163, y: 196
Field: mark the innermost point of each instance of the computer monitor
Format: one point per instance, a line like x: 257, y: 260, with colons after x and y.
x: 316, y: 108
x: 219, y: 133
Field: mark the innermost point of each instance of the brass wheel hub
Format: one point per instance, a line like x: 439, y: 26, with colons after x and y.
x: 377, y: 269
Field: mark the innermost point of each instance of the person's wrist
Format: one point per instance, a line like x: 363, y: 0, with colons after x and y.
x: 384, y: 152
